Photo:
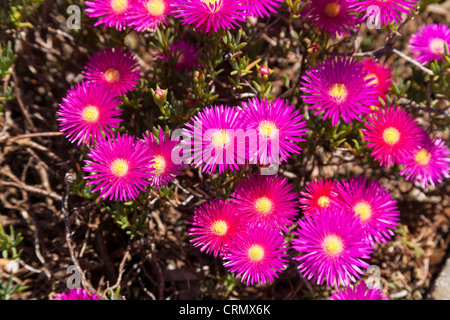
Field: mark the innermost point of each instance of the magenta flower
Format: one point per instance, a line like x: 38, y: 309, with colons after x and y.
x: 257, y: 255
x: 88, y: 110
x: 120, y: 167
x: 215, y: 225
x: 384, y: 11
x: 393, y: 134
x: 277, y: 124
x: 320, y: 194
x: 359, y: 292
x: 267, y: 200
x: 430, y: 163
x: 76, y: 294
x: 213, y: 139
x: 428, y: 43
x: 262, y: 8
x: 185, y: 55
x: 160, y: 151
x: 115, y: 68
x: 332, y: 246
x: 148, y: 14
x: 337, y: 87
x: 368, y: 199
x: 112, y: 13
x: 379, y: 74
x: 336, y: 17
x: 210, y: 15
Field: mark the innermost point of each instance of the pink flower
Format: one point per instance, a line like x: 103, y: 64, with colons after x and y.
x: 88, y: 110
x: 384, y: 11
x: 148, y: 14
x: 262, y: 8
x: 112, y: 13
x: 379, y: 74
x: 319, y: 195
x: 257, y: 255
x: 428, y: 43
x: 76, y: 294
x: 359, y: 292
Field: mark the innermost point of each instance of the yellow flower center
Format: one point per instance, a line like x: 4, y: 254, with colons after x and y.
x: 210, y: 2
x: 263, y: 205
x: 220, y: 227
x: 119, y: 167
x: 256, y: 253
x: 220, y: 138
x: 373, y: 79
x: 332, y: 9
x: 363, y: 209
x: 159, y: 163
x: 422, y: 157
x: 267, y: 129
x: 119, y: 6
x: 323, y: 201
x: 90, y: 114
x: 437, y: 46
x: 338, y: 91
x: 156, y: 7
x: 391, y: 135
x: 112, y: 75
x: 333, y: 245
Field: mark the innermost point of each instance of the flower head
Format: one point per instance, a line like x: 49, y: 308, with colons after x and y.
x: 393, y: 134
x: 76, y: 294
x: 88, y: 110
x: 112, y: 13
x: 120, y: 167
x: 333, y: 16
x: 210, y: 15
x: 359, y: 292
x: 276, y: 125
x: 262, y: 8
x: 215, y: 225
x: 160, y: 152
x: 148, y: 14
x: 384, y: 11
x: 320, y: 194
x: 213, y: 139
x: 115, y: 68
x: 430, y: 163
x: 428, y: 43
x: 257, y: 255
x: 379, y: 74
x: 374, y: 205
x: 338, y: 87
x: 185, y: 55
x: 332, y: 245
x: 266, y: 200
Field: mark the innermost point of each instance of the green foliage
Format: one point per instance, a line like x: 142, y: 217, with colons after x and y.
x: 7, y: 289
x: 9, y: 243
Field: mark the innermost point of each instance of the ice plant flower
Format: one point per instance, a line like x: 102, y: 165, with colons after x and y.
x: 332, y: 246
x: 212, y: 139
x: 428, y: 43
x: 379, y: 74
x: 266, y: 200
x: 384, y: 11
x: 119, y: 167
x: 160, y: 151
x: 112, y: 13
x: 88, y: 110
x: 336, y: 17
x: 339, y: 88
x: 257, y: 255
x: 262, y: 8
x: 185, y: 55
x: 215, y: 225
x: 368, y: 199
x: 430, y: 163
x: 148, y: 14
x: 277, y: 124
x: 393, y: 134
x: 116, y: 68
x: 76, y: 294
x: 319, y: 194
x: 210, y: 15
x: 359, y: 292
